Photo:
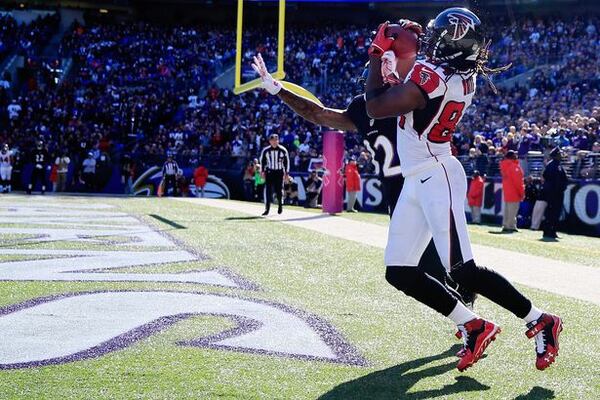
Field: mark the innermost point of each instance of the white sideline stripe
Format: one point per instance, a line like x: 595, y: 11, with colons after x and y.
x: 567, y: 279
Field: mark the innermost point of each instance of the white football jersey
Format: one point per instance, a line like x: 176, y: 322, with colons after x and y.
x: 424, y: 135
x: 5, y: 158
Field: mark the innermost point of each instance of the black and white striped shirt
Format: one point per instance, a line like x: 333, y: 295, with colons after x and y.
x: 275, y: 159
x: 170, y: 168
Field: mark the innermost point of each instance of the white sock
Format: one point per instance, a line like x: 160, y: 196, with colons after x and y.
x: 534, y: 314
x: 461, y: 314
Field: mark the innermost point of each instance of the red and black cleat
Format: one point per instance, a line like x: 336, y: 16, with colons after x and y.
x: 461, y: 352
x: 546, y: 331
x: 477, y: 334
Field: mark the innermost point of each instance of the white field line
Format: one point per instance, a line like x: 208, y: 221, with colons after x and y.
x: 568, y: 279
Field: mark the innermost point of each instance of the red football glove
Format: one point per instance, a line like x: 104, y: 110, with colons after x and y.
x: 381, y: 43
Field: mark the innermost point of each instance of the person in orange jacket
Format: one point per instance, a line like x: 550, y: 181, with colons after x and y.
x: 200, y: 178
x: 475, y: 196
x: 513, y: 190
x: 352, y: 183
x: 54, y: 177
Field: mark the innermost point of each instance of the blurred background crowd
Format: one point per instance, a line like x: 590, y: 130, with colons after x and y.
x: 132, y: 93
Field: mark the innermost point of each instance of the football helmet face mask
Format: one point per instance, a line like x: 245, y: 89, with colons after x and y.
x: 454, y: 38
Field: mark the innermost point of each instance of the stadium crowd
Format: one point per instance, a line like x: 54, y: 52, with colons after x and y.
x: 26, y: 39
x: 139, y: 92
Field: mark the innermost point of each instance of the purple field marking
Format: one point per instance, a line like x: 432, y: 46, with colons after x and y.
x: 345, y: 353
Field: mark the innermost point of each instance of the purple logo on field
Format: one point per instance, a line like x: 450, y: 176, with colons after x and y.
x: 75, y: 326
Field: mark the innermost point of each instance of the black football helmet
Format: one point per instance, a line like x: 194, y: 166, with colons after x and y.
x: 454, y: 38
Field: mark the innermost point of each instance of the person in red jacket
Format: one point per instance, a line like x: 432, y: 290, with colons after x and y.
x: 513, y: 189
x: 352, y: 183
x: 475, y: 196
x: 200, y: 177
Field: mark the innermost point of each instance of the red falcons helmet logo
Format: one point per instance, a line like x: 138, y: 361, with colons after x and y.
x: 461, y: 24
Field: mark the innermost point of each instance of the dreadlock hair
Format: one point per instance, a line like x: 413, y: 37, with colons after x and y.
x: 482, y: 68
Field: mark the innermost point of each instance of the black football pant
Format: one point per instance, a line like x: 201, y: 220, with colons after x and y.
x: 416, y: 283
x: 170, y: 182
x: 552, y: 216
x: 273, y: 183
x: 37, y: 175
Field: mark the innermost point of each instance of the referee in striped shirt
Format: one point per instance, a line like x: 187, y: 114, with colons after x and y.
x: 275, y: 163
x: 169, y: 172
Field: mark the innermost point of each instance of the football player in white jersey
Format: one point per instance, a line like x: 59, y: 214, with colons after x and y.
x: 5, y: 169
x: 429, y: 105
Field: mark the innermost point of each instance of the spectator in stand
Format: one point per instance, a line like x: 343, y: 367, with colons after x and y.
x: 581, y: 141
x: 200, y: 178
x: 290, y: 190
x: 128, y: 173
x: 513, y: 190
x: 352, y: 183
x: 583, y: 167
x: 14, y: 110
x: 249, y: 194
x: 365, y: 163
x: 143, y: 79
x: 526, y: 139
x: 53, y: 178
x: 555, y: 184
x: 259, y: 181
x: 481, y: 154
x: 89, y: 172
x: 562, y: 140
x: 475, y: 196
x: 313, y: 186
x: 182, y: 184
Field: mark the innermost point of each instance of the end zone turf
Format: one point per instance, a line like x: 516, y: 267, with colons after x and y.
x: 321, y: 278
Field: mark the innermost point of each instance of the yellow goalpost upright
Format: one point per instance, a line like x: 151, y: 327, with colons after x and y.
x: 279, y: 74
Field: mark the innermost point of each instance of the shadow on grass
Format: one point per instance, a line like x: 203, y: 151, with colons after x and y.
x: 307, y: 218
x: 548, y: 240
x: 395, y: 382
x: 251, y: 218
x: 537, y: 393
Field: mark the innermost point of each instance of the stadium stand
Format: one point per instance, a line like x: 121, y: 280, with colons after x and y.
x: 145, y: 91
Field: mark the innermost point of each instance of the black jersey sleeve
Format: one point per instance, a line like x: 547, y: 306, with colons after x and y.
x: 357, y: 112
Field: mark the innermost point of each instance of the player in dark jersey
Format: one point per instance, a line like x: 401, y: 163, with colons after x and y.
x: 40, y: 159
x: 380, y: 138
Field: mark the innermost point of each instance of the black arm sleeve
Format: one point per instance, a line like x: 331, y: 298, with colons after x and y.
x: 357, y: 112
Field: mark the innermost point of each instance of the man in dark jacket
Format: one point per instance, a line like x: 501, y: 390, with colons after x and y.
x: 555, y: 184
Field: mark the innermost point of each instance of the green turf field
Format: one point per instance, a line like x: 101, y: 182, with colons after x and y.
x: 578, y: 249
x: 408, y: 349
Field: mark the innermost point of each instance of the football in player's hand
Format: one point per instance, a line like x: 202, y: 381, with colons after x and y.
x: 405, y: 44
